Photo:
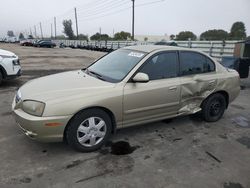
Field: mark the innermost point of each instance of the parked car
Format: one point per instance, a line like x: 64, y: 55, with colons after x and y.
x: 35, y: 42
x: 240, y: 60
x: 130, y: 86
x: 26, y: 42
x: 167, y: 43
x: 239, y: 64
x: 11, y: 39
x: 9, y: 65
x: 45, y: 43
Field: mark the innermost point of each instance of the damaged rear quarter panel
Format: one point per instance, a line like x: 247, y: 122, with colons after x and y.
x: 196, y: 88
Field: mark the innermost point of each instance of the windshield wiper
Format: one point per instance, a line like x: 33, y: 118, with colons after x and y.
x: 95, y: 74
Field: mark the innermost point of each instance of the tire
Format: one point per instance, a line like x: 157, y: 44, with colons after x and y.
x: 214, y: 107
x: 82, y: 136
x: 1, y: 77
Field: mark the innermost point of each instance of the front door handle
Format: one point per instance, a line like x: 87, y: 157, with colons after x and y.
x: 173, y: 88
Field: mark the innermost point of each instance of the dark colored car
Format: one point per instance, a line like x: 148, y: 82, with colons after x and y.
x: 26, y: 42
x: 169, y: 43
x: 35, y: 42
x: 45, y: 43
x: 239, y: 64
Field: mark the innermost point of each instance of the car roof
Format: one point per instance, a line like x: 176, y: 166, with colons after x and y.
x: 151, y: 48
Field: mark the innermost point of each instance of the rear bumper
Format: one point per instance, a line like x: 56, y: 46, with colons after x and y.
x: 37, y: 128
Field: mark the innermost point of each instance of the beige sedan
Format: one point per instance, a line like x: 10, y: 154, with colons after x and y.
x: 130, y: 86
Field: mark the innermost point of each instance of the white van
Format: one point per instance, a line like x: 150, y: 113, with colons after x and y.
x: 10, y: 67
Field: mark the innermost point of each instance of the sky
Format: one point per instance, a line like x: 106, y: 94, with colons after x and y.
x: 152, y: 17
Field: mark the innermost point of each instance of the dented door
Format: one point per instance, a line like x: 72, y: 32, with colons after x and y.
x: 198, y: 80
x: 194, y: 89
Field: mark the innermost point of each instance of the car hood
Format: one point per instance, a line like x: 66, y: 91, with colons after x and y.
x: 63, y: 85
x: 6, y: 53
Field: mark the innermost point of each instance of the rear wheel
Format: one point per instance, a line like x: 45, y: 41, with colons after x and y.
x: 89, y: 130
x: 214, y: 107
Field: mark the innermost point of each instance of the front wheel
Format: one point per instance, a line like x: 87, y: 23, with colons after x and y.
x: 1, y: 77
x: 214, y: 107
x: 89, y: 130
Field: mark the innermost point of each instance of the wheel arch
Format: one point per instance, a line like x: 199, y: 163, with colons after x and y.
x: 109, y: 112
x: 222, y: 92
x: 3, y: 71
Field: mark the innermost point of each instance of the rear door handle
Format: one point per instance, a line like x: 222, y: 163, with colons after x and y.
x: 173, y: 88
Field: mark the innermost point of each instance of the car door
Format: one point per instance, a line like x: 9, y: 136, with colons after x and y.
x: 198, y: 79
x: 158, y: 98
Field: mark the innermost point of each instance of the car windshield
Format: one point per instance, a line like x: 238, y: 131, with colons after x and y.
x: 116, y: 65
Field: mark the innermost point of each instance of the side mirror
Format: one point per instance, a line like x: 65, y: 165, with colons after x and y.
x: 141, y: 77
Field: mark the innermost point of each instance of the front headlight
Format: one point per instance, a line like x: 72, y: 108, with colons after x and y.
x: 35, y: 108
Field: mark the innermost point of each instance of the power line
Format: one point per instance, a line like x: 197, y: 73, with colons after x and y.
x: 120, y: 10
x: 95, y: 11
x: 108, y: 5
x: 105, y: 10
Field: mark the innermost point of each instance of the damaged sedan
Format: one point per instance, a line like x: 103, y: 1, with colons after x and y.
x: 130, y: 86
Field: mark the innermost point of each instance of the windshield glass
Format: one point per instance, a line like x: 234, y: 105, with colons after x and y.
x: 116, y: 65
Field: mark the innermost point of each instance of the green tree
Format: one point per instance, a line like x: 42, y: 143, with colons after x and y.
x: 21, y: 36
x: 83, y: 37
x: 146, y: 39
x: 238, y: 31
x: 67, y: 30
x: 248, y: 38
x: 99, y: 36
x: 122, y: 36
x: 215, y: 34
x: 186, y: 35
x: 172, y: 37
x: 10, y: 33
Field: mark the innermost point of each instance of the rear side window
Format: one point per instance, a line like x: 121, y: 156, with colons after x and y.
x: 195, y: 63
x: 163, y: 65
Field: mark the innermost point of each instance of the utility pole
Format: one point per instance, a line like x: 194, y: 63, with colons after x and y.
x: 100, y: 30
x: 51, y: 29
x: 30, y: 31
x: 41, y: 30
x: 55, y: 26
x: 76, y: 24
x: 133, y: 20
x: 35, y: 30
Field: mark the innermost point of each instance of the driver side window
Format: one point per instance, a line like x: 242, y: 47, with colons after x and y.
x: 163, y: 65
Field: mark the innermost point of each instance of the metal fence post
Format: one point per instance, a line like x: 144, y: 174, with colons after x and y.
x: 211, y: 48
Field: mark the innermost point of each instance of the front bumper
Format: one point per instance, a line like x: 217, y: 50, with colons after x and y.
x: 37, y: 127
x: 18, y: 74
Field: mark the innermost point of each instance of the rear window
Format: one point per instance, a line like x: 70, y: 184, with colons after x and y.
x: 195, y: 63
